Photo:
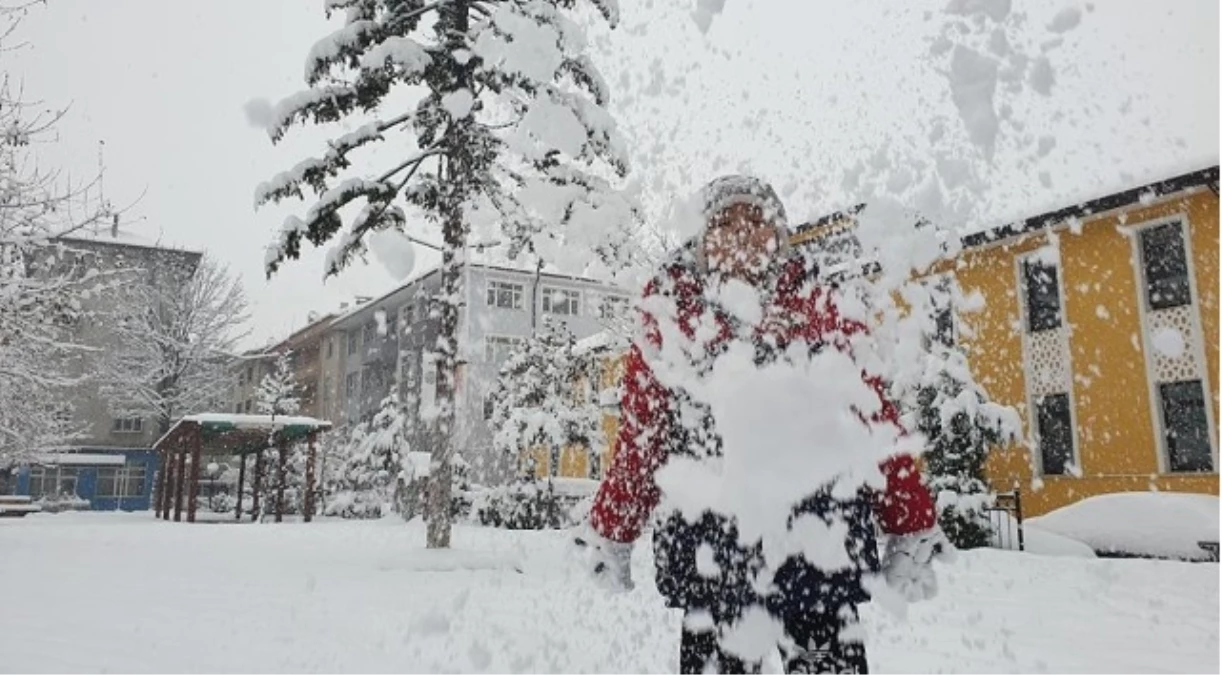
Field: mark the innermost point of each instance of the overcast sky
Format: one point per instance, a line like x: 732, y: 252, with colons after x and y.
x: 793, y: 90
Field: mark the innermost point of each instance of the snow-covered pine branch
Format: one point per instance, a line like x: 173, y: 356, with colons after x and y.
x: 372, y: 463
x: 510, y: 141
x: 278, y: 391
x: 538, y: 401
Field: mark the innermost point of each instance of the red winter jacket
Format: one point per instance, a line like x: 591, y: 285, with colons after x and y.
x: 629, y: 494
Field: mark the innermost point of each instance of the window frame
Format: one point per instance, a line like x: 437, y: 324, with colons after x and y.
x: 127, y: 425
x: 572, y: 299
x: 1167, y: 437
x: 1070, y: 459
x: 495, y: 290
x: 607, y: 301
x: 1030, y: 316
x: 1178, y: 225
x: 507, y: 341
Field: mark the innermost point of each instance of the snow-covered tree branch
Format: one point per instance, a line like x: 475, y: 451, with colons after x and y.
x: 42, y: 282
x: 177, y: 331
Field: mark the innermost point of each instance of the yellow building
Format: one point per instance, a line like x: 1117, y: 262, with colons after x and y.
x: 1100, y: 327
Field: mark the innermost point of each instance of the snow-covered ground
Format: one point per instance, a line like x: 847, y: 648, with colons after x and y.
x: 124, y: 592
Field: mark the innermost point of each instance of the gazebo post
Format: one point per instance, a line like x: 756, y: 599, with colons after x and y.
x: 281, y: 461
x: 237, y: 510
x: 161, y: 481
x: 197, y: 439
x: 257, y: 486
x: 180, y: 473
x: 309, y: 477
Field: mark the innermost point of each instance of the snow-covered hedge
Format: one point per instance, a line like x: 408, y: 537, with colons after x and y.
x: 529, y: 505
x: 1146, y: 524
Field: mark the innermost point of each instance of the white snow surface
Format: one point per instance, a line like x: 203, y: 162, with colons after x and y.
x: 366, y: 596
x: 1163, y: 524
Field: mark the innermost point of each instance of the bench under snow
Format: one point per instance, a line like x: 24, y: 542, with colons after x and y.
x: 16, y: 506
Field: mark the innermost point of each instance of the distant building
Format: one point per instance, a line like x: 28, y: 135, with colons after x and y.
x: 393, y: 338
x: 109, y: 465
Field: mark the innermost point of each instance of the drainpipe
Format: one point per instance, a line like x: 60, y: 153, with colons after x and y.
x: 534, y: 300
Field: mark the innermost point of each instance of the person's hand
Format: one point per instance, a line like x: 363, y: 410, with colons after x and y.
x: 608, y: 562
x: 908, y: 564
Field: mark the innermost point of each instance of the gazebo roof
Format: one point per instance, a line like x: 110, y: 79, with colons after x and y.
x: 238, y: 434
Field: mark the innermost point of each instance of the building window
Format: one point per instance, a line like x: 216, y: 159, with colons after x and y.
x: 48, y: 481
x: 1186, y: 426
x: 596, y: 465
x: 1042, y: 289
x: 351, y: 382
x: 354, y: 341
x: 237, y: 408
x: 392, y: 323
x: 489, y: 406
x: 1164, y: 261
x: 248, y: 405
x: 370, y: 331
x: 127, y: 425
x: 125, y: 481
x: 1055, y: 433
x: 330, y: 347
x: 497, y: 348
x: 421, y: 308
x: 561, y: 301
x: 504, y: 295
x: 250, y: 374
x: 613, y: 307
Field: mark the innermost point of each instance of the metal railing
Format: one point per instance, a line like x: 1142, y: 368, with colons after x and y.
x: 1006, y: 519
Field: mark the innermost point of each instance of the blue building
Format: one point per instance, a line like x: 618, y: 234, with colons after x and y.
x: 108, y: 479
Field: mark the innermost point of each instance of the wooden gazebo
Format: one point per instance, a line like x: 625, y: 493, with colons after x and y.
x: 180, y: 449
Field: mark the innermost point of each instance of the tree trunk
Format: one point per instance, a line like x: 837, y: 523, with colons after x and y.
x: 456, y: 192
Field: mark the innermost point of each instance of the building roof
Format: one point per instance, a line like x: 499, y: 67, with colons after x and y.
x: 237, y: 434
x: 1188, y: 182
x: 122, y: 236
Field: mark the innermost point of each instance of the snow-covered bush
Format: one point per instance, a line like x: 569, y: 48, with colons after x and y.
x: 525, y: 505
x: 538, y: 401
x: 960, y: 425
x: 372, y: 464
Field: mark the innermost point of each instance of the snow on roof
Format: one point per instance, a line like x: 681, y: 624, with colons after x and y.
x: 79, y: 458
x: 249, y: 421
x: 120, y: 237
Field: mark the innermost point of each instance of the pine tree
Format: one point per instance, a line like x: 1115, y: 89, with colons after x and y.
x: 510, y: 136
x: 537, y: 403
x: 373, y: 461
x: 278, y: 391
x: 960, y: 424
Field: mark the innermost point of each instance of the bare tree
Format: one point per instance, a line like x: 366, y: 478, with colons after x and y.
x: 177, y: 332
x: 41, y: 283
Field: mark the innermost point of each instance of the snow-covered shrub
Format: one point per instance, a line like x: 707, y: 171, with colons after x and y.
x: 526, y: 505
x: 538, y: 400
